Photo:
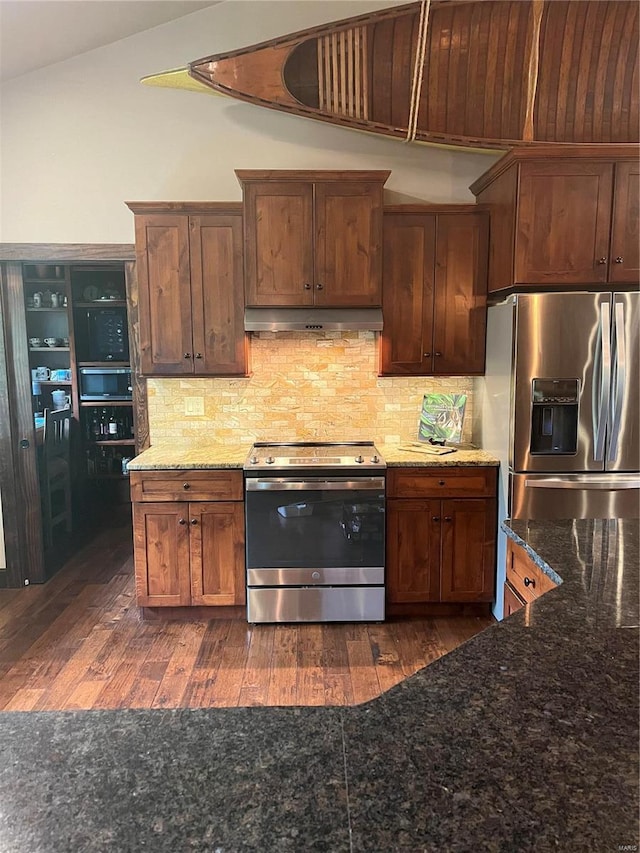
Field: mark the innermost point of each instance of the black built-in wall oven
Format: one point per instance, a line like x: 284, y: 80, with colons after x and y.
x: 315, y: 541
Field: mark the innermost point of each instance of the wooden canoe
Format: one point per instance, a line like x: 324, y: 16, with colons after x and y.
x: 494, y: 73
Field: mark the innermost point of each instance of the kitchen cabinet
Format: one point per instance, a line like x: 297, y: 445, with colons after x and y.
x: 441, y: 534
x: 563, y: 217
x: 188, y: 529
x: 190, y: 279
x: 312, y: 238
x: 525, y: 581
x: 434, y: 290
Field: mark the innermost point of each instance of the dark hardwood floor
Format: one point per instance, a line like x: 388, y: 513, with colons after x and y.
x: 79, y: 642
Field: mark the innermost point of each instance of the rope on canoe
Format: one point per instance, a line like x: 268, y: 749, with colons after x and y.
x: 418, y: 69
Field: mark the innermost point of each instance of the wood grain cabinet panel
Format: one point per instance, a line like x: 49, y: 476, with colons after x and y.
x: 440, y: 549
x: 217, y: 553
x: 512, y: 601
x: 188, y: 543
x: 313, y: 238
x: 413, y: 551
x: 624, y: 260
x: 434, y: 292
x: 190, y: 278
x: 563, y: 217
x: 527, y: 579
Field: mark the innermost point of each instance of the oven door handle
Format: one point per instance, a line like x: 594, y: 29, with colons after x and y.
x: 286, y: 484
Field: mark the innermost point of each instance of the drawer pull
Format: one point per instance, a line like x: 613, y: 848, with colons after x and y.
x: 529, y: 582
x: 194, y: 521
x: 186, y: 486
x: 182, y: 521
x: 441, y: 483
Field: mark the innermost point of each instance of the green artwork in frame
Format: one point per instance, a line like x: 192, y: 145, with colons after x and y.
x: 442, y: 417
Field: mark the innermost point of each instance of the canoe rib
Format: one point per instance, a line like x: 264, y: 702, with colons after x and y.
x: 497, y: 73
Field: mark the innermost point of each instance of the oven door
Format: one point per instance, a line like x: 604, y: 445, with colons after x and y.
x: 315, y: 530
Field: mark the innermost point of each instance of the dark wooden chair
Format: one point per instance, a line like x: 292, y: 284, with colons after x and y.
x: 55, y: 473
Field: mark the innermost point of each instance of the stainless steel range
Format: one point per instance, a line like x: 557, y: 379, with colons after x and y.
x: 315, y: 532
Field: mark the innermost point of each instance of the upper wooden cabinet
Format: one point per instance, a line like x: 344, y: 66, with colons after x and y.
x: 563, y: 217
x: 313, y: 238
x: 434, y: 290
x: 190, y: 278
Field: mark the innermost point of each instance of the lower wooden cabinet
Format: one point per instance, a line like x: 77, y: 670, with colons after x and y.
x: 525, y: 581
x: 187, y: 552
x: 441, y: 546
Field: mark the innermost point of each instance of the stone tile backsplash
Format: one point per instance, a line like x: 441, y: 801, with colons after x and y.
x: 303, y: 386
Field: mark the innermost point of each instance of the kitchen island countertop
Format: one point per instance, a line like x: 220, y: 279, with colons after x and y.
x: 525, y: 738
x: 210, y: 454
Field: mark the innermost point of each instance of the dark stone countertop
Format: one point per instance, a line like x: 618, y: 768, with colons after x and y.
x: 525, y: 738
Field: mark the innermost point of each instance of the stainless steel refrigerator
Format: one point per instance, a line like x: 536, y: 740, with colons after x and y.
x: 560, y: 406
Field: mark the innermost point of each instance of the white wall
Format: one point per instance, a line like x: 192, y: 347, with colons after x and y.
x: 81, y: 137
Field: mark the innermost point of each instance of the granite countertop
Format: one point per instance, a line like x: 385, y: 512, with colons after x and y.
x: 206, y: 454
x: 396, y: 458
x: 214, y: 455
x: 525, y: 738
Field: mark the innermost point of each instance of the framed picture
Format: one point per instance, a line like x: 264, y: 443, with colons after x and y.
x: 442, y: 417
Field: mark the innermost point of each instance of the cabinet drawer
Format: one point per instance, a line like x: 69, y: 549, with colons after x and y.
x: 528, y: 581
x: 186, y: 485
x: 441, y: 482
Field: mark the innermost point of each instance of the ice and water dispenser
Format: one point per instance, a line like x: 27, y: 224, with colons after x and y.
x: 554, y: 416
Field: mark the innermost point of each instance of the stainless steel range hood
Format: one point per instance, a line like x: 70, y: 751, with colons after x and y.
x: 312, y: 319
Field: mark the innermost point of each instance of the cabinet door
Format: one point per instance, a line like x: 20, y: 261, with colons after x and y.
x: 161, y: 554
x: 413, y: 551
x: 162, y: 252
x: 278, y: 230
x: 348, y: 243
x: 624, y: 264
x: 217, y: 553
x: 468, y: 550
x: 563, y: 222
x: 460, y: 315
x: 217, y: 281
x: 512, y: 600
x: 407, y: 294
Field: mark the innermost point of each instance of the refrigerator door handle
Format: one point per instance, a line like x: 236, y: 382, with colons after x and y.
x: 601, y: 382
x: 610, y: 484
x: 619, y: 380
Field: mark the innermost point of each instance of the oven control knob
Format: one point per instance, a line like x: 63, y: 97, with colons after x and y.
x: 375, y: 459
x: 254, y: 460
x: 359, y: 459
x: 269, y: 460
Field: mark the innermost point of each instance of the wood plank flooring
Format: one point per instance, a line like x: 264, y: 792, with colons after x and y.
x: 78, y: 642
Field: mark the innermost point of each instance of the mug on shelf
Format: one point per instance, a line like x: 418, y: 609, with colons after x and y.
x: 63, y: 375
x: 35, y: 342
x: 61, y: 400
x: 51, y: 342
x: 41, y: 373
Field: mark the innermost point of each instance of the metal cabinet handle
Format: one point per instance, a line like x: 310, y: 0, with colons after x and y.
x: 435, y: 518
x: 194, y: 521
x: 319, y: 286
x: 187, y: 355
x: 182, y: 521
x: 619, y: 260
x: 186, y: 486
x: 448, y: 518
x: 307, y: 286
x: 441, y: 483
x: 529, y: 582
x: 427, y: 355
x: 602, y: 261
x: 437, y: 354
x: 198, y: 355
